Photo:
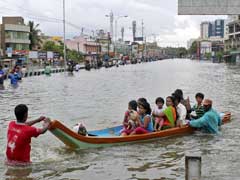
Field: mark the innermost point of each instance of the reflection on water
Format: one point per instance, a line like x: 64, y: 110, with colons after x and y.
x: 99, y: 99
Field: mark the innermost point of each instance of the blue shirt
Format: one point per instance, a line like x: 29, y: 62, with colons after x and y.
x: 1, y: 76
x: 209, y: 122
x: 150, y: 124
x: 14, y: 78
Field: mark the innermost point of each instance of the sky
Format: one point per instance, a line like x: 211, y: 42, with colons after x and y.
x: 159, y: 16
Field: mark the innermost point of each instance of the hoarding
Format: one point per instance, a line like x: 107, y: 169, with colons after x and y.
x: 42, y: 55
x: 208, y: 7
x: 33, y: 54
x: 50, y: 55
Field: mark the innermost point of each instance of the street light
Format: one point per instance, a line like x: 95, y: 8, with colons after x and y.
x: 116, y: 32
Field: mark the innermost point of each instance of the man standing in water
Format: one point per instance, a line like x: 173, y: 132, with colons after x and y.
x: 1, y: 77
x: 210, y: 121
x: 19, y: 136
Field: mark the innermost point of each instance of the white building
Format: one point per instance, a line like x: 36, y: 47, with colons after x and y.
x: 204, y: 30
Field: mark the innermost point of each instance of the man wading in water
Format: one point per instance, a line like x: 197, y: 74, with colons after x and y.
x: 19, y: 136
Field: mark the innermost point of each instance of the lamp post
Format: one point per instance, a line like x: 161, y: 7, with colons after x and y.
x: 64, y: 38
x: 116, y: 20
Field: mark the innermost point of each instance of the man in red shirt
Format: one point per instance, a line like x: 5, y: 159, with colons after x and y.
x: 19, y: 135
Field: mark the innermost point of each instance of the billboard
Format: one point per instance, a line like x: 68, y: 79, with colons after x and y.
x: 42, y: 55
x: 33, y: 54
x: 138, y: 38
x: 208, y: 7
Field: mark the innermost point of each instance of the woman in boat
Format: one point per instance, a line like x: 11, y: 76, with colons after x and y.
x: 185, y: 102
x: 144, y: 121
x: 169, y: 114
x: 132, y: 107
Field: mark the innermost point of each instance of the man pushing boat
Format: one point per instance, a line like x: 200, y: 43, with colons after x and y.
x: 210, y: 121
x: 19, y: 136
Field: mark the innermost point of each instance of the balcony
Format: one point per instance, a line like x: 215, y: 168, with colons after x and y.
x: 16, y: 27
x: 17, y: 41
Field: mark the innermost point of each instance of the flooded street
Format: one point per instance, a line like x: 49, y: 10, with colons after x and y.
x: 99, y: 98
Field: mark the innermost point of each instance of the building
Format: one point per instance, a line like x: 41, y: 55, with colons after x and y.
x: 89, y: 47
x: 213, y: 29
x: 232, y: 43
x: 14, y: 37
x: 205, y: 30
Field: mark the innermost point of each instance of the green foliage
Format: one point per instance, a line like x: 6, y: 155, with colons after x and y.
x: 181, y: 52
x: 51, y: 46
x: 219, y: 55
x: 208, y: 55
x: 193, y: 48
x: 34, y: 37
x: 71, y: 54
x: 74, y: 55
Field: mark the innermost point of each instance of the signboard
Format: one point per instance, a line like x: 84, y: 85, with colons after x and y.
x: 208, y: 7
x: 42, y: 55
x: 9, y: 51
x: 50, y: 55
x: 56, y: 55
x: 33, y: 54
x: 20, y: 52
x: 138, y: 38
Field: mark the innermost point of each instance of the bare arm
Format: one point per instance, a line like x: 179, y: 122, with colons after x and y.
x: 30, y: 123
x: 146, y: 122
x: 45, y: 125
x: 159, y: 115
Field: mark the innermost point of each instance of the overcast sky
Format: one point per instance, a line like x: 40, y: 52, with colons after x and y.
x: 159, y: 16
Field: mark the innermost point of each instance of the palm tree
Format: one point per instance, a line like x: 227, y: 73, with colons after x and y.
x: 34, y: 37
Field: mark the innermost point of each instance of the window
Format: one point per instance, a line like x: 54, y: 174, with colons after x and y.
x: 16, y: 35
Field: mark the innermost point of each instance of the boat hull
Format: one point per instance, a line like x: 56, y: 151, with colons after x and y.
x: 76, y: 141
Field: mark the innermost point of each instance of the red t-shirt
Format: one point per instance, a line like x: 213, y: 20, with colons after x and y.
x: 18, y: 141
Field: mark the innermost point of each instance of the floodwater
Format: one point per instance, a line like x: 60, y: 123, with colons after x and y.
x: 99, y: 99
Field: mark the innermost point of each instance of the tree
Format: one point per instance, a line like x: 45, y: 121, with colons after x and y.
x: 193, y: 49
x: 34, y: 37
x: 208, y: 55
x: 51, y: 46
x: 71, y: 54
x: 181, y: 52
x: 219, y: 55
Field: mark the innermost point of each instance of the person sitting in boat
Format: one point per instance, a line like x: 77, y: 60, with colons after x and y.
x: 141, y: 100
x: 185, y: 102
x: 80, y: 129
x: 198, y: 107
x: 210, y: 121
x: 169, y: 114
x: 158, y: 121
x: 144, y: 121
x: 132, y: 106
x: 181, y: 111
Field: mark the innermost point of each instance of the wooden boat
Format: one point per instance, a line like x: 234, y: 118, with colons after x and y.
x: 110, y: 136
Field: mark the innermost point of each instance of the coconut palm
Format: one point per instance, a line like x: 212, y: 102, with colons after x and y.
x: 34, y: 37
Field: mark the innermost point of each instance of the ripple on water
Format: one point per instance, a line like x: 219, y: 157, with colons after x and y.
x: 99, y: 99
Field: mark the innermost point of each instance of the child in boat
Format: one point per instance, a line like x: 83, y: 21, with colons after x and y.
x: 156, y: 111
x: 144, y: 120
x: 80, y: 129
x: 198, y: 108
x: 132, y: 106
x: 132, y: 121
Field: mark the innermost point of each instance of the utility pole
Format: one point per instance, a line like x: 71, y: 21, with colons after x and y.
x: 122, y: 31
x: 64, y: 38
x: 142, y: 37
x: 78, y: 51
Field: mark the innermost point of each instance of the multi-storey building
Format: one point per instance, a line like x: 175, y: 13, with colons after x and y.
x: 14, y: 36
